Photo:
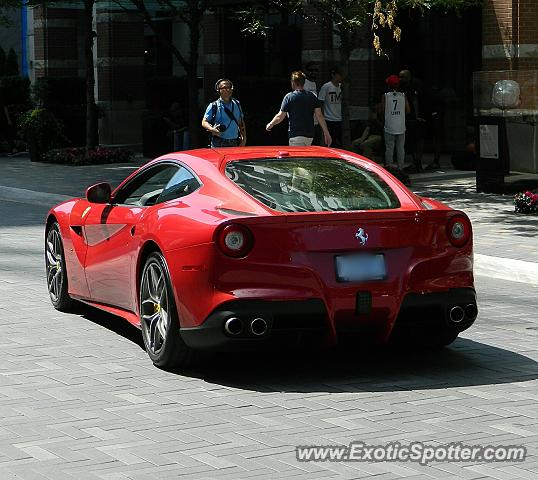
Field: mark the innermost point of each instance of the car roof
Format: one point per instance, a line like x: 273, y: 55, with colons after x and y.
x: 220, y: 156
x: 215, y: 159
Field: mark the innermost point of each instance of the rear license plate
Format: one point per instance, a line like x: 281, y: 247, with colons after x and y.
x: 360, y: 268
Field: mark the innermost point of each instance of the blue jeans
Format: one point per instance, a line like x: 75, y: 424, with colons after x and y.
x: 217, y: 142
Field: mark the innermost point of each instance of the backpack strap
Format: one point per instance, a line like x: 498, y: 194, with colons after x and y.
x: 230, y: 115
x: 213, y: 112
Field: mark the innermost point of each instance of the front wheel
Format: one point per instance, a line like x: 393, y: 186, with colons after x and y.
x: 158, y: 316
x: 56, y: 271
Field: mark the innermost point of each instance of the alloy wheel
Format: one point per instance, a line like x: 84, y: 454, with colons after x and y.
x: 155, y: 311
x: 54, y: 264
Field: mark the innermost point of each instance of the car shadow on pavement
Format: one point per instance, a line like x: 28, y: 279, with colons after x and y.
x: 364, y: 368
x: 111, y: 322
x: 368, y: 369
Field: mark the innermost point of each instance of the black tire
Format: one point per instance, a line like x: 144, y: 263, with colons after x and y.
x: 57, y: 282
x: 159, y: 319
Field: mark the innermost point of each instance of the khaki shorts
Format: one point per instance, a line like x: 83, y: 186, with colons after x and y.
x: 300, y: 141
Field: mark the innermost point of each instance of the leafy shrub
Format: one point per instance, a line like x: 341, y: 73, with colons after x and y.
x: 41, y: 129
x: 66, y: 99
x: 95, y: 156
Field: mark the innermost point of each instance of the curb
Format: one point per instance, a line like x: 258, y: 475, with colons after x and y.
x: 441, y: 175
x: 506, y: 269
x: 22, y: 195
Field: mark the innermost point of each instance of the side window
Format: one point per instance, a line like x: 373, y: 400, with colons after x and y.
x: 181, y: 184
x: 144, y: 190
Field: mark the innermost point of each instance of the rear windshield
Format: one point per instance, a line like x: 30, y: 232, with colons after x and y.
x: 311, y: 185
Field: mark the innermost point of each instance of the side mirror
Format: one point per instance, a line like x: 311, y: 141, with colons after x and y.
x: 99, y: 193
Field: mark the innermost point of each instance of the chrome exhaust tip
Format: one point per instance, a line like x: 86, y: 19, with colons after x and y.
x: 258, y: 326
x: 471, y: 311
x: 456, y: 314
x: 233, y: 326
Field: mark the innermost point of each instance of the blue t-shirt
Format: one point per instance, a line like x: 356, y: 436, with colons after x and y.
x: 234, y: 107
x: 300, y: 105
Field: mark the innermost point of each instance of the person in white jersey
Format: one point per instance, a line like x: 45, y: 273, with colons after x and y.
x: 330, y: 95
x: 394, y: 106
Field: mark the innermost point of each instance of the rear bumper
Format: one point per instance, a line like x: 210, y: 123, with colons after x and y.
x: 292, y: 323
x: 307, y: 322
x: 451, y: 311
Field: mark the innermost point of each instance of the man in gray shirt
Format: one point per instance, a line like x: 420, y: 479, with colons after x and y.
x: 300, y: 106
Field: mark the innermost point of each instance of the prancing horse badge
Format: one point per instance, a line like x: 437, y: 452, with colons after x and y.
x: 361, y: 236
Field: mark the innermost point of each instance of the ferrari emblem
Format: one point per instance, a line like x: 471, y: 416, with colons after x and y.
x: 361, y: 236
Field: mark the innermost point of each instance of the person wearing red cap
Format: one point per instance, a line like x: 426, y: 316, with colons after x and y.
x: 394, y: 106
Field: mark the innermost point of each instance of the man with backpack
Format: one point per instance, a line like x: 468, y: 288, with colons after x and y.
x: 223, y: 118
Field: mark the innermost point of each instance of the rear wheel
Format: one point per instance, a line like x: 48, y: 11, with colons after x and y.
x: 56, y: 271
x: 158, y: 316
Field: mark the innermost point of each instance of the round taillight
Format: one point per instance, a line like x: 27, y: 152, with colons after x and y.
x: 459, y: 230
x: 235, y: 240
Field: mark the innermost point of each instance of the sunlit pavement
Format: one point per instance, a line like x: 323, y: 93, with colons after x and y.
x: 80, y: 399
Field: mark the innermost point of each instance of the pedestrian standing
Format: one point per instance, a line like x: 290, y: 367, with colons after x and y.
x: 394, y: 106
x: 223, y: 119
x: 330, y: 96
x: 300, y: 106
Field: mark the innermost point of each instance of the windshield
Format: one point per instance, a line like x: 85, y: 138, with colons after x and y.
x: 312, y: 184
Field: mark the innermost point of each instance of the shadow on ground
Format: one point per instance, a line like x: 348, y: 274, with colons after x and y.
x: 381, y: 369
x: 115, y: 324
x: 365, y: 368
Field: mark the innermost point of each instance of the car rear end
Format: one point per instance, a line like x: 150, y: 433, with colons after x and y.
x: 349, y: 252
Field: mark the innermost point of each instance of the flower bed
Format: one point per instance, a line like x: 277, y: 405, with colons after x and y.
x: 79, y: 156
x: 526, y: 202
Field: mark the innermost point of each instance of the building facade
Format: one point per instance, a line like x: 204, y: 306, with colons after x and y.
x: 441, y: 50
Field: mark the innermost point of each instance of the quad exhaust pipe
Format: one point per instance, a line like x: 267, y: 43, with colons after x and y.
x: 457, y: 313
x: 257, y: 327
x: 471, y: 311
x: 233, y: 326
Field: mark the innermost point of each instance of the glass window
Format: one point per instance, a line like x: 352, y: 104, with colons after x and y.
x: 312, y: 185
x: 182, y: 183
x: 145, y: 188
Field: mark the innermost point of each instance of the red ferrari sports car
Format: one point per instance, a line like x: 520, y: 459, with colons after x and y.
x: 246, y: 247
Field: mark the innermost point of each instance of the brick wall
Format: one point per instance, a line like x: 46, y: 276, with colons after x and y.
x: 510, y: 36
x: 56, y: 32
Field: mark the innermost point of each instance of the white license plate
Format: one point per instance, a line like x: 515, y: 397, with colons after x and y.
x: 360, y: 268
